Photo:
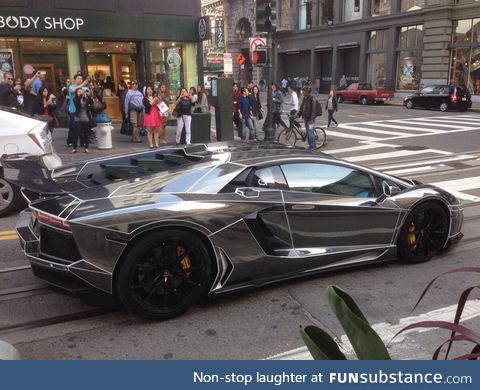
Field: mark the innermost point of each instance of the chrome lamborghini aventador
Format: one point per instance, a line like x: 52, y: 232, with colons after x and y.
x: 160, y: 229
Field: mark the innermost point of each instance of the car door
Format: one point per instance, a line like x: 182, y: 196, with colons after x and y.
x: 424, y: 98
x: 333, y: 213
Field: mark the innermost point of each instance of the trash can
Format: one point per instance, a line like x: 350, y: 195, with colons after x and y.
x: 200, y: 128
x: 103, y: 131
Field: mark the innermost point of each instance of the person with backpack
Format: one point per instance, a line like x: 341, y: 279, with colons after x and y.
x: 309, y: 110
x: 134, y: 110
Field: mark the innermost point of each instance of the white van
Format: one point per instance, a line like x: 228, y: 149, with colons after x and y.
x: 20, y: 133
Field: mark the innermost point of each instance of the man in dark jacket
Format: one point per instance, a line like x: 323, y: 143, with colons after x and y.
x: 8, y: 98
x: 245, y: 114
x: 309, y: 113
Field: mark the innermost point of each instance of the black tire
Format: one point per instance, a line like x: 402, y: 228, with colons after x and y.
x: 287, y: 137
x: 11, y: 198
x: 364, y: 100
x: 444, y: 107
x: 424, y: 233
x: 164, y: 274
x: 409, y: 104
x: 320, y: 136
x: 340, y: 99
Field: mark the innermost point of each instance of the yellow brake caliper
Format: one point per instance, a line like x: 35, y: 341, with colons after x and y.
x: 411, y: 238
x: 185, y: 263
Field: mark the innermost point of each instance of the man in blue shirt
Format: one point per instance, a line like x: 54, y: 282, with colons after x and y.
x: 245, y: 114
x: 78, y: 82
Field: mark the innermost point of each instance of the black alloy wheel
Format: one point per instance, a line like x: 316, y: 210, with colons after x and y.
x: 409, y: 104
x: 10, y: 197
x: 164, y: 274
x: 424, y: 233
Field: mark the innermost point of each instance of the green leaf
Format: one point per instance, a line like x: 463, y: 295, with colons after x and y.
x: 320, y: 344
x: 365, y: 341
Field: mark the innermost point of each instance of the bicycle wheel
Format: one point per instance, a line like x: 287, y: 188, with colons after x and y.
x: 320, y: 136
x: 287, y: 137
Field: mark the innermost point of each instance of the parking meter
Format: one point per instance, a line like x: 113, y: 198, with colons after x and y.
x: 221, y: 98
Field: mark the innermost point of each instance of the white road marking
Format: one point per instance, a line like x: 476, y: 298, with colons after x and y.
x: 410, y: 170
x: 455, y: 187
x: 368, y: 130
x: 353, y: 136
x: 402, y: 127
x: 426, y: 162
x: 361, y: 147
x: 387, y: 155
x: 386, y: 330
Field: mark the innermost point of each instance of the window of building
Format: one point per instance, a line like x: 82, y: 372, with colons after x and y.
x: 381, y: 7
x: 465, y: 57
x: 377, y: 58
x: 412, y: 5
x: 326, y: 12
x: 409, y: 57
x: 285, y: 15
x: 352, y: 10
x: 305, y: 14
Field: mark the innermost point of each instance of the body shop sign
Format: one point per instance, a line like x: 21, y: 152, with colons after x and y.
x: 40, y: 23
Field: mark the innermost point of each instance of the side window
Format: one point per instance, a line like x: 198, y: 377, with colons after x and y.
x: 328, y: 179
x: 270, y: 177
x: 427, y: 90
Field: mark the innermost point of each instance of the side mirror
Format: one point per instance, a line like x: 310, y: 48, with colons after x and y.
x: 389, y: 189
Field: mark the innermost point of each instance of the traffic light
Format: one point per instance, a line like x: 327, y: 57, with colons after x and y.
x: 259, y: 57
x: 265, y: 15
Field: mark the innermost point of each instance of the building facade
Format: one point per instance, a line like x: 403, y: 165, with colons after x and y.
x: 397, y: 44
x: 123, y: 39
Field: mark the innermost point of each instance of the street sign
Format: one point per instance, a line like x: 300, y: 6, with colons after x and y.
x: 240, y: 58
x: 227, y: 63
x: 257, y: 42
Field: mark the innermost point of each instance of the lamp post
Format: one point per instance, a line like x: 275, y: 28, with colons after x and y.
x: 268, y: 126
x: 240, y: 31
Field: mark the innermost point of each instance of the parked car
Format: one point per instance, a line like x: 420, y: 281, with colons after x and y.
x: 20, y: 133
x: 364, y: 93
x: 161, y: 229
x: 445, y: 97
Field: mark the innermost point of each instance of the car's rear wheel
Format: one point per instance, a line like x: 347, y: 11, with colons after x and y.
x: 164, y: 274
x: 287, y: 137
x: 10, y: 197
x: 364, y: 100
x: 409, y: 104
x: 340, y: 99
x: 444, y: 107
x: 423, y: 234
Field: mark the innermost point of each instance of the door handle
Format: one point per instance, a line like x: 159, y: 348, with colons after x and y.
x: 302, y: 207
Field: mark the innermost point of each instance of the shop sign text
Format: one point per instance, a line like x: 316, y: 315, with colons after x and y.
x: 37, y: 23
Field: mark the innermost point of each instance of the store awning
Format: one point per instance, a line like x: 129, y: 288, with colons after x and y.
x: 323, y: 48
x: 348, y: 45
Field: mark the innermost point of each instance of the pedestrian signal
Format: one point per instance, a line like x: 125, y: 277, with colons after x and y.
x: 259, y: 57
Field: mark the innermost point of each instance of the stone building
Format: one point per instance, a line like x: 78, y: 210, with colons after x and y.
x: 397, y: 44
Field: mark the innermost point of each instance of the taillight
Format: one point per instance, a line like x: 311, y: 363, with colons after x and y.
x: 35, y: 138
x: 453, y: 97
x: 48, y: 219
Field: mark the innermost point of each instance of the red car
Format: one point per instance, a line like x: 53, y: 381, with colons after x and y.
x: 364, y: 93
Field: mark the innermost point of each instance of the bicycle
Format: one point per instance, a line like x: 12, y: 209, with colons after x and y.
x: 294, y: 133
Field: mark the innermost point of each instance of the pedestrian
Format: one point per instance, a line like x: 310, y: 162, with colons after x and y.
x: 8, y: 97
x: 83, y: 104
x: 332, y: 106
x: 277, y: 107
x: 308, y: 112
x: 236, y: 96
x: 121, y: 93
x: 18, y: 89
x: 183, y: 108
x: 262, y: 84
x: 134, y: 110
x: 202, y: 101
x: 78, y: 83
x: 163, y: 98
x: 343, y: 83
x: 245, y: 115
x: 46, y: 104
x: 151, y: 117
x: 194, y: 97
x: 256, y: 105
x: 284, y: 84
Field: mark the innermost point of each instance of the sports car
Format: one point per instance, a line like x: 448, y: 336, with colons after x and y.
x: 161, y: 229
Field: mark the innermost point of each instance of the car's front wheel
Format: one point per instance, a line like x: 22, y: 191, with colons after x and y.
x: 10, y: 197
x: 340, y: 99
x: 164, y: 274
x: 364, y: 100
x: 444, y: 107
x: 409, y: 104
x: 423, y: 234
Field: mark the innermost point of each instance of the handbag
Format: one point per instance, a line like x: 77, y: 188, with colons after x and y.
x: 127, y: 128
x: 163, y: 108
x: 260, y: 114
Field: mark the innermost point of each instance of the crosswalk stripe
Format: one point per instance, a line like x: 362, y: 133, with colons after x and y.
x: 456, y: 187
x: 419, y: 123
x: 361, y: 147
x: 402, y: 127
x: 368, y: 130
x: 410, y: 170
x: 454, y: 123
x: 387, y: 155
x: 353, y: 136
x: 426, y: 162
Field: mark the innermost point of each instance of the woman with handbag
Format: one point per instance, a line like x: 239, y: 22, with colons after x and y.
x: 164, y: 111
x: 151, y: 116
x: 202, y: 102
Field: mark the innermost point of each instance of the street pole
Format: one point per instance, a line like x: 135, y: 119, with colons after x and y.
x: 269, y: 130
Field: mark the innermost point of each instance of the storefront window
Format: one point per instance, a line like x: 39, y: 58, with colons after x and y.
x: 352, y: 10
x: 465, y: 63
x: 377, y: 74
x: 409, y: 57
x: 381, y: 7
x: 412, y: 5
x: 49, y: 56
x: 9, y: 59
x: 167, y: 66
